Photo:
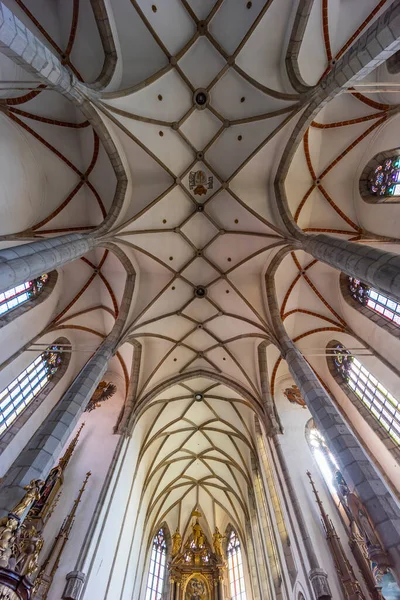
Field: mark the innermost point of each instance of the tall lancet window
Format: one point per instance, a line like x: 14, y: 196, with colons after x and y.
x: 385, y: 180
x: 155, y: 581
x: 22, y: 293
x: 374, y: 300
x: 380, y: 402
x: 23, y: 389
x: 235, y: 567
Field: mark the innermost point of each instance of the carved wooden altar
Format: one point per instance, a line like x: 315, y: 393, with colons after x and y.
x: 196, y: 571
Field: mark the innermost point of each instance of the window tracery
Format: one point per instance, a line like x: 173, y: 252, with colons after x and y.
x: 235, y: 567
x: 385, y: 179
x: 22, y: 293
x: 379, y: 401
x: 155, y: 580
x: 24, y: 388
x: 374, y: 300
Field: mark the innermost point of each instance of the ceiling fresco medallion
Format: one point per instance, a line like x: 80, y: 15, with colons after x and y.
x: 200, y: 182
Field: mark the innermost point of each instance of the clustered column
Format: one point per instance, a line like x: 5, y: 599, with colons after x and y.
x: 353, y: 461
x: 39, y: 454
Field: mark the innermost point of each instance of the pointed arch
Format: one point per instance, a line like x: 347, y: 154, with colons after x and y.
x: 233, y: 551
x: 26, y: 297
x: 160, y: 550
x: 30, y: 402
x: 380, y: 309
x: 375, y: 404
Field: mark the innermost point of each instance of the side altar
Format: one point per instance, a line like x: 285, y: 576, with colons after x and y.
x: 198, y: 569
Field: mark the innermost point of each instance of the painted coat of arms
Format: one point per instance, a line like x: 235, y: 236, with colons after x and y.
x: 199, y: 183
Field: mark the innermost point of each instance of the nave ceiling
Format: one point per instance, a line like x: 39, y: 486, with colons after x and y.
x: 201, y: 209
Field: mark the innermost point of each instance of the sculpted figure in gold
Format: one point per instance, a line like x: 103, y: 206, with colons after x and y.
x: 217, y: 543
x: 176, y: 542
x: 32, y: 494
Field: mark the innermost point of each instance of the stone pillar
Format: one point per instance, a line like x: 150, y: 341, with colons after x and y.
x: 73, y: 587
x: 41, y: 451
x: 252, y: 564
x: 321, y: 591
x: 377, y: 268
x: 354, y: 463
x: 264, y: 580
x: 27, y: 261
x: 271, y: 421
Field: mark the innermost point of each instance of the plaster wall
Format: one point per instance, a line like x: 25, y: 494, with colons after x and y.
x: 94, y: 453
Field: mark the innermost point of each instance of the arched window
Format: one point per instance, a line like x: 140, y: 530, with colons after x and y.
x: 374, y: 300
x: 24, y: 388
x: 380, y: 403
x: 22, y: 293
x: 155, y: 580
x: 235, y: 567
x: 385, y: 179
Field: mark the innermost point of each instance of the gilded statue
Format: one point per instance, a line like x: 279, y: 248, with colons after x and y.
x: 8, y: 526
x: 217, y: 542
x: 198, y: 535
x: 32, y: 494
x: 176, y: 542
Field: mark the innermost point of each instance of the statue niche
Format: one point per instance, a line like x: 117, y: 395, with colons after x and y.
x: 197, y: 569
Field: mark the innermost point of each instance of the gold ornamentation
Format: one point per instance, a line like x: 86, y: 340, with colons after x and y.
x: 32, y: 493
x: 294, y: 396
x: 176, y: 542
x: 198, y: 535
x: 103, y: 392
x: 217, y: 543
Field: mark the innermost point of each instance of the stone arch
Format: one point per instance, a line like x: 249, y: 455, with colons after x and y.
x: 168, y: 543
x: 8, y: 435
x: 161, y: 387
x: 370, y: 167
x: 16, y: 312
x: 380, y: 431
x: 364, y: 310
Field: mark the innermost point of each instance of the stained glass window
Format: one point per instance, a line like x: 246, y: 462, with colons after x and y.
x: 16, y: 296
x: 380, y: 402
x: 235, y: 567
x: 385, y: 180
x: 24, y: 388
x: 155, y: 581
x: 374, y: 300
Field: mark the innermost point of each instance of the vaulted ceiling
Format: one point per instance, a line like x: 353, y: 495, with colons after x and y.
x: 200, y: 221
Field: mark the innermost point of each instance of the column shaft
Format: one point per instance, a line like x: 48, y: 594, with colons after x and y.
x: 354, y: 463
x: 377, y: 268
x: 39, y: 454
x: 27, y: 261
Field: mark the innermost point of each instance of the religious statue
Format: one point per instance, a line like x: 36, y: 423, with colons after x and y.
x: 293, y: 394
x: 103, y: 392
x: 8, y: 526
x: 217, y: 542
x: 198, y: 535
x: 32, y: 493
x: 176, y: 542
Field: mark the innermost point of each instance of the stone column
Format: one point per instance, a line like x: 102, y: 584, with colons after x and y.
x: 271, y: 424
x: 41, y: 451
x: 354, y: 463
x: 377, y: 268
x: 73, y: 588
x: 317, y: 576
x: 27, y: 261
